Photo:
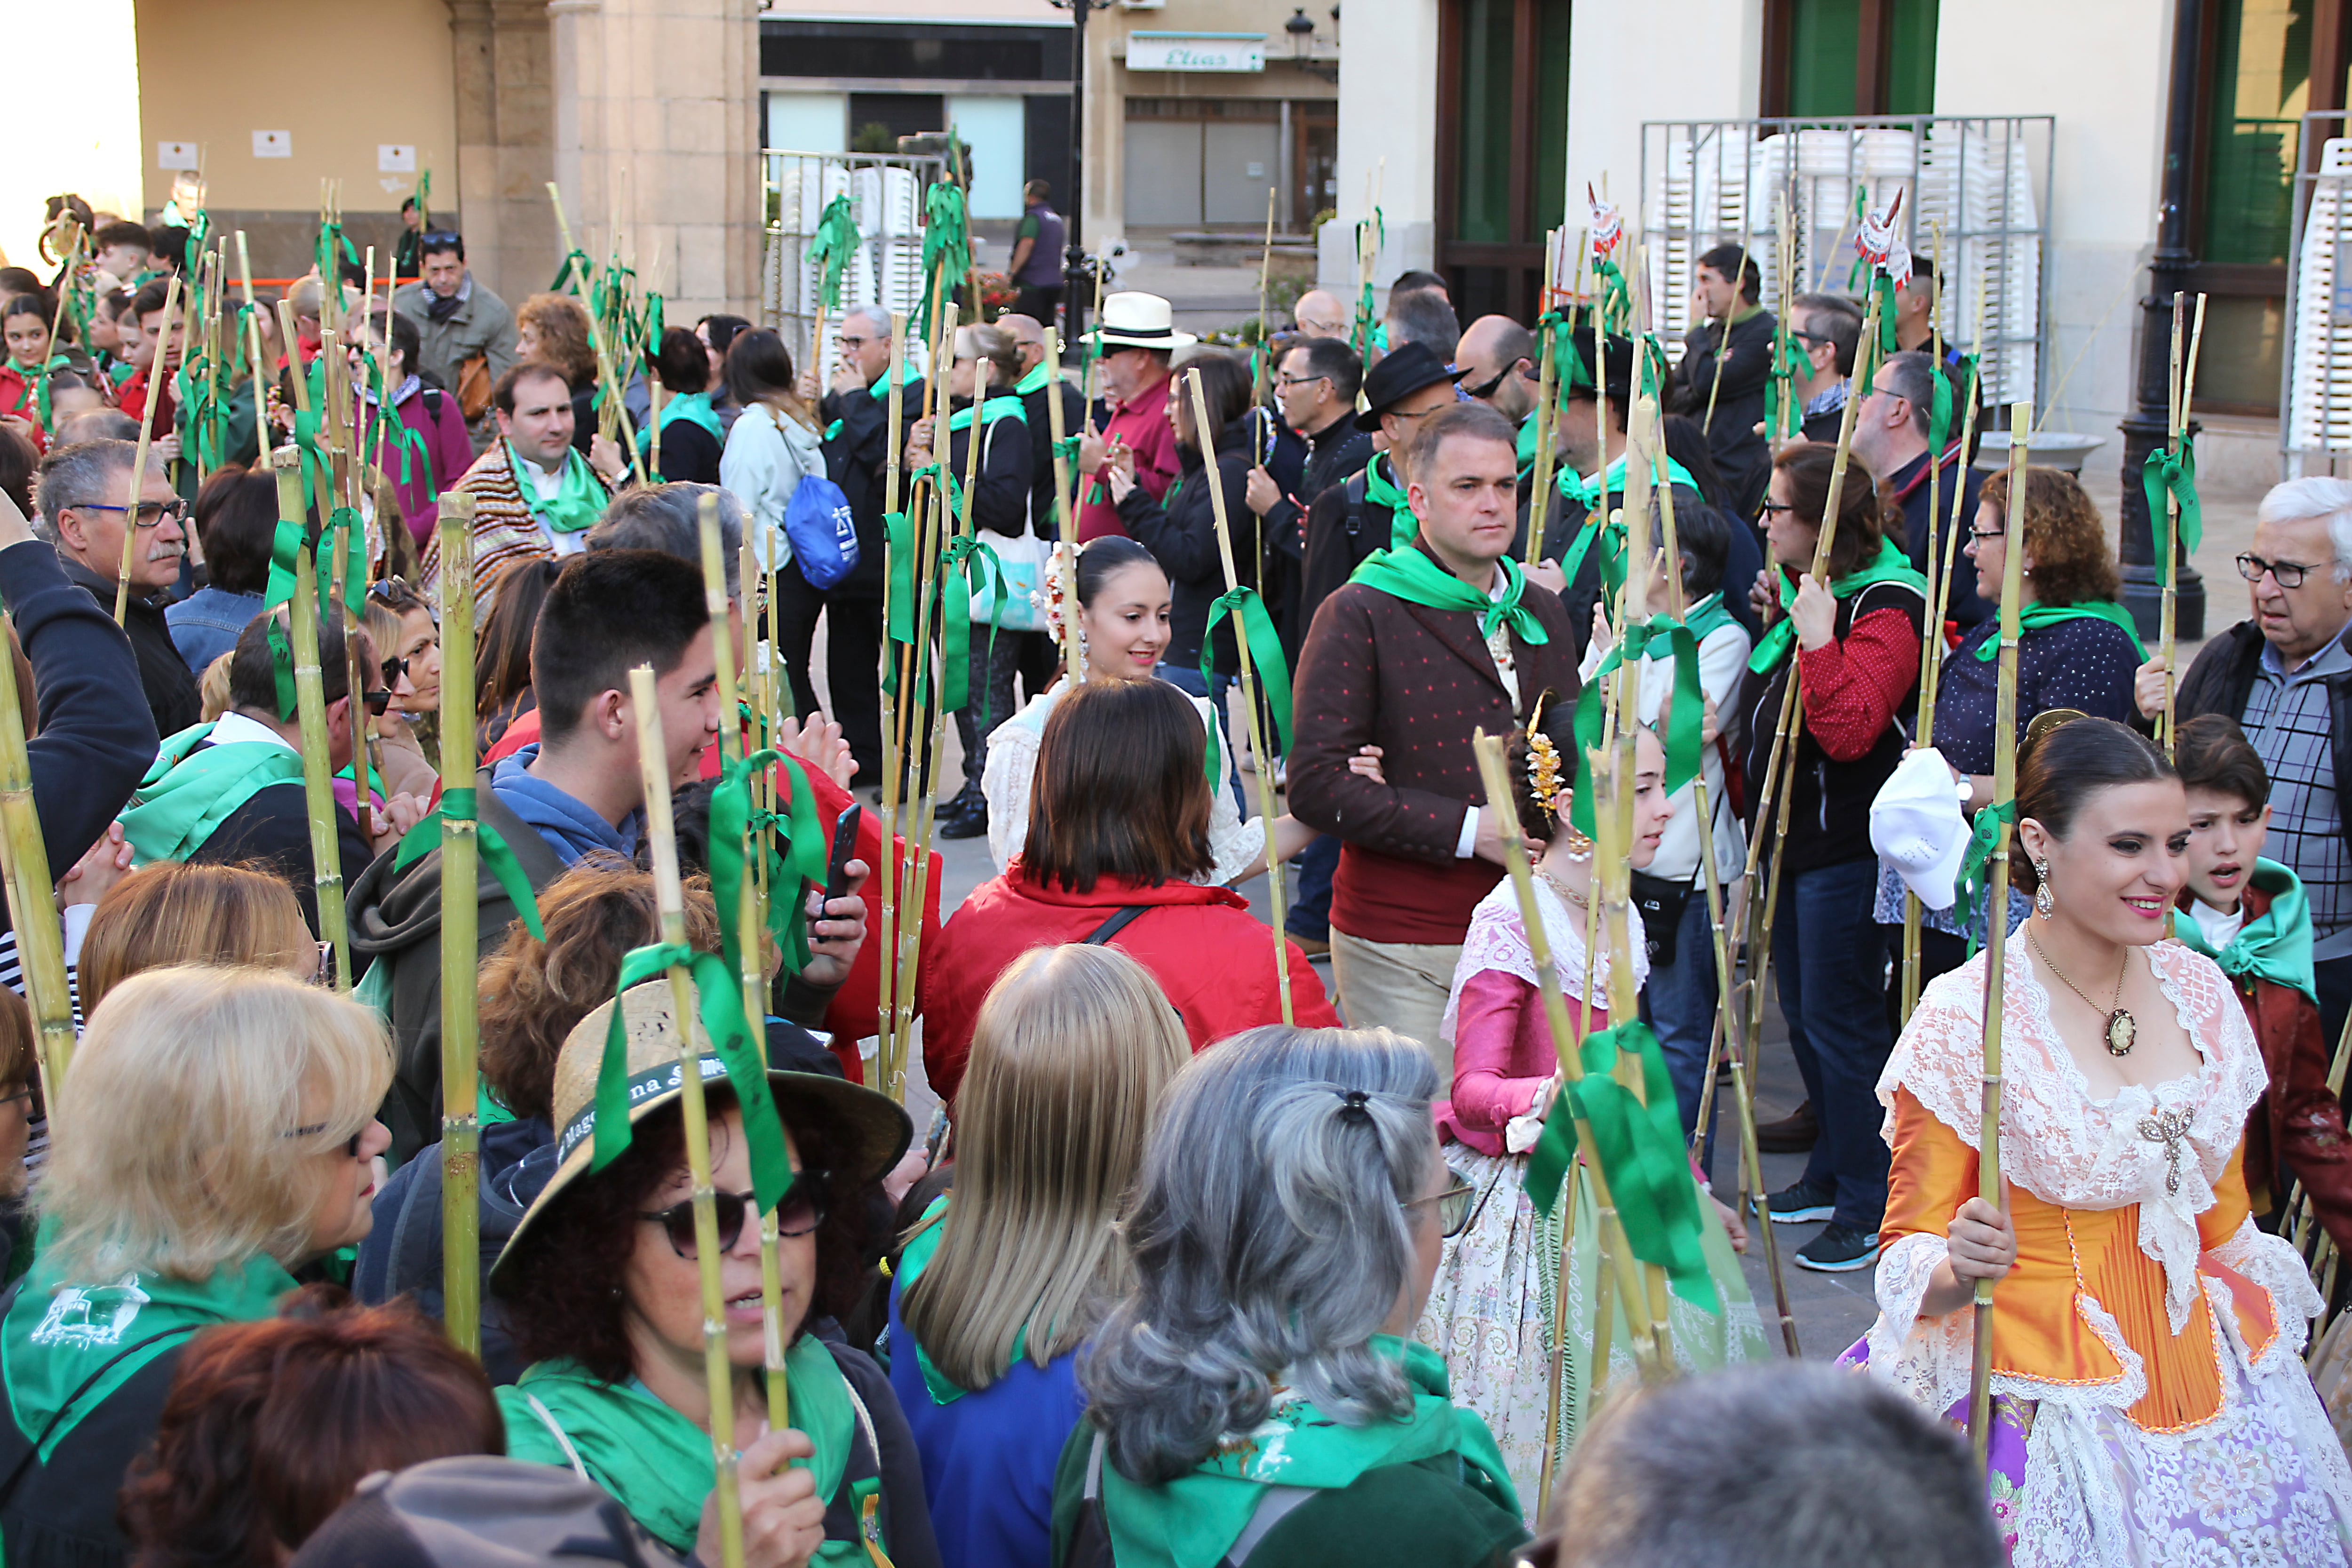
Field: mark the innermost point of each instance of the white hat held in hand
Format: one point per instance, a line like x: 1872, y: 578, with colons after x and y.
x: 1139, y: 320
x: 1916, y: 826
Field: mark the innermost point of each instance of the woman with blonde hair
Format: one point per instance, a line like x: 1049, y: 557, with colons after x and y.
x: 175, y: 913
x: 217, y: 1130
x: 996, y: 1291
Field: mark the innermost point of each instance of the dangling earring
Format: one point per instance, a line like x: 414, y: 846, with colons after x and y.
x: 2042, y: 902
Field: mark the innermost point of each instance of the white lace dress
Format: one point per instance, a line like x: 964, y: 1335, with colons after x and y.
x: 2155, y: 1408
x: 1010, y: 776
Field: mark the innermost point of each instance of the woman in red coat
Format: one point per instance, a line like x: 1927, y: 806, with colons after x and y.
x: 1118, y: 828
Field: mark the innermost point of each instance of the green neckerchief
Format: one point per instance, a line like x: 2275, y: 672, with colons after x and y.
x: 1527, y: 445
x: 694, y: 407
x: 1410, y: 575
x: 1039, y: 374
x: 60, y: 1332
x: 576, y: 506
x: 1889, y: 565
x: 2277, y: 947
x: 657, y: 1463
x: 1708, y: 615
x: 1193, y: 1521
x: 2034, y: 615
x: 883, y: 383
x: 1611, y: 481
x: 913, y: 1258
x: 1006, y: 406
x: 1381, y: 489
x: 188, y: 794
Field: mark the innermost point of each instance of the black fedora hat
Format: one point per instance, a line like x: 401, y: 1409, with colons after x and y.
x: 1398, y: 376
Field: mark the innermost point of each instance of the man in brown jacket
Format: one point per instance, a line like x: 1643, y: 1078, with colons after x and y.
x: 1422, y: 647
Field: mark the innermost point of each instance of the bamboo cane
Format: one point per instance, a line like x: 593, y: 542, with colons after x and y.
x: 2184, y: 388
x: 155, y: 381
x: 2004, y: 792
x: 1547, y: 413
x: 255, y: 357
x: 311, y: 706
x: 1495, y: 771
x: 661, y: 832
x: 750, y: 939
x: 893, y: 753
x: 1275, y: 887
x: 1065, y: 551
x: 460, y: 939
x: 40, y: 947
x: 1264, y: 280
x: 606, y: 377
x: 57, y: 318
x: 1931, y: 630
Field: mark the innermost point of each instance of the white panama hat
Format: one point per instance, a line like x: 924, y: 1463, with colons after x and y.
x: 1139, y: 320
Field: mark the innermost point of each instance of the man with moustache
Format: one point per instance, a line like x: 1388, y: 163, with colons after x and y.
x: 88, y: 499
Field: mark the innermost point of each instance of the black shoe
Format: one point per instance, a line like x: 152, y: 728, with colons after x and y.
x: 966, y: 822
x: 1794, y: 1133
x: 1839, y: 1250
x: 1801, y: 1205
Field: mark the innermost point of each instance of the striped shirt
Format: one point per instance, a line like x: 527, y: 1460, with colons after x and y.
x: 2287, y: 719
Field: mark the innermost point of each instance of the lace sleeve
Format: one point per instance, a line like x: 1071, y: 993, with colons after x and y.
x: 1940, y: 1058
x: 1005, y: 783
x: 2272, y: 1263
x: 1928, y: 1359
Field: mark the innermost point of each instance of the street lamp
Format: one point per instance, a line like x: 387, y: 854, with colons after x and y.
x: 1301, y: 28
x: 1077, y: 273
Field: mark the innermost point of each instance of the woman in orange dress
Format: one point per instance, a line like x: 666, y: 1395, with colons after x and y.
x: 2151, y: 1404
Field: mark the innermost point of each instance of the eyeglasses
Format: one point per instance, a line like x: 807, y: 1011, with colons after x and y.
x: 2290, y: 574
x: 1770, y: 506
x: 323, y: 975
x: 25, y: 1094
x: 439, y: 239
x: 351, y: 1149
x: 1454, y: 1208
x: 1983, y: 533
x: 1299, y: 380
x: 150, y: 513
x: 1400, y: 413
x: 802, y: 1212
x: 845, y: 340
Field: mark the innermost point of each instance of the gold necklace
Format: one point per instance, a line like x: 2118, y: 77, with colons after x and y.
x: 1561, y: 888
x: 2123, y: 1029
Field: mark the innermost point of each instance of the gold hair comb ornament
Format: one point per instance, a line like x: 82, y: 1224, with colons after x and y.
x: 1547, y: 785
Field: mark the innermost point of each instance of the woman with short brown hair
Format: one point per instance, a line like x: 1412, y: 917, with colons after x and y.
x: 1117, y: 825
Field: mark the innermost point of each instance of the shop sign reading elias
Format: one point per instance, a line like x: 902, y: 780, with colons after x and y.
x: 1195, y: 52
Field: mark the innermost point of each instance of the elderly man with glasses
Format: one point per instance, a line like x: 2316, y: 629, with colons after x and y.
x: 87, y: 501
x: 2285, y: 675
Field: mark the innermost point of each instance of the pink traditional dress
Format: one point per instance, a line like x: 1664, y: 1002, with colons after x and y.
x: 1490, y: 1310
x: 2152, y: 1404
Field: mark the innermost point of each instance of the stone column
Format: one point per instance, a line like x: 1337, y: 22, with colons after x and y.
x: 654, y: 126
x: 505, y: 135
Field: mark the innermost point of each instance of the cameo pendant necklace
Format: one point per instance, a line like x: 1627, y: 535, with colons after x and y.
x: 2123, y: 1029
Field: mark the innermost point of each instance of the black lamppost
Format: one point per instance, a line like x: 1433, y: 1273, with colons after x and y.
x: 1077, y: 276
x: 2169, y: 272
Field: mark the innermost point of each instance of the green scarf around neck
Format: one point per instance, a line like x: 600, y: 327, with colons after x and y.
x: 1193, y: 1521
x: 2277, y: 946
x: 575, y: 507
x: 192, y: 788
x: 1412, y: 576
x: 1039, y: 374
x: 694, y: 407
x: 1611, y: 481
x: 1889, y: 565
x: 1708, y: 615
x: 2034, y: 615
x: 1381, y: 489
x: 657, y: 1463
x: 1003, y: 406
x: 913, y: 1258
x: 60, y: 1330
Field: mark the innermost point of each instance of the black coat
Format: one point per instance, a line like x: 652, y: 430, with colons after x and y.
x: 1183, y: 534
x: 1041, y: 454
x: 164, y: 678
x: 271, y: 831
x: 857, y: 455
x: 1740, y: 453
x: 1001, y: 492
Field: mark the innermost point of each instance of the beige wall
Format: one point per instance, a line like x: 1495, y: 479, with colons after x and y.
x: 342, y: 76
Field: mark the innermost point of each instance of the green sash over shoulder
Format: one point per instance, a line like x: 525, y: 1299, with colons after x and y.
x: 189, y: 792
x: 654, y: 1460
x: 1193, y: 1521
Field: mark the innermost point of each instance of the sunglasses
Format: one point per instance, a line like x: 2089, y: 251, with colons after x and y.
x: 802, y: 1212
x: 377, y: 702
x: 351, y: 1148
x: 394, y: 669
x: 1454, y: 1204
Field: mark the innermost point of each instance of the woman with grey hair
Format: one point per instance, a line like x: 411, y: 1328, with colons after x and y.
x: 1253, y: 1399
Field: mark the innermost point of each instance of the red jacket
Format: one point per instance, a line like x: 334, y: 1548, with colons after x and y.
x: 853, y: 1014
x: 1210, y: 954
x: 18, y: 399
x: 2297, y: 1122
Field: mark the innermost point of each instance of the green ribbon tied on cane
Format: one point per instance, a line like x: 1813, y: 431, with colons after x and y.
x: 978, y: 565
x: 1363, y: 337
x: 831, y: 247
x: 1686, y: 715
x: 732, y: 820
x: 719, y: 1006
x: 1638, y: 1146
x: 1569, y: 373
x: 1784, y: 414
x: 947, y: 247
x: 1616, y: 305
x: 1256, y: 629
x: 497, y: 857
x: 2164, y: 474
x: 572, y: 274
x: 1973, y: 883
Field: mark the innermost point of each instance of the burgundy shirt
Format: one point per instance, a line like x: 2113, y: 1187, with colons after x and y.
x: 1142, y: 424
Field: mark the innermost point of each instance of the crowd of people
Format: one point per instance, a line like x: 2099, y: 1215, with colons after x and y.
x: 1203, y: 1260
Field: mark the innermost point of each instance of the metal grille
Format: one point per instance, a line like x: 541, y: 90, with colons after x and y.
x: 886, y: 200
x: 2316, y: 372
x: 1975, y: 201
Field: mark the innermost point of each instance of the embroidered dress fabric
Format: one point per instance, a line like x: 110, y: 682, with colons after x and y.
x: 2147, y: 1342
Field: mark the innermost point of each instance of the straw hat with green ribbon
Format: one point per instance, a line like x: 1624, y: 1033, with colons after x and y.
x: 868, y: 1130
